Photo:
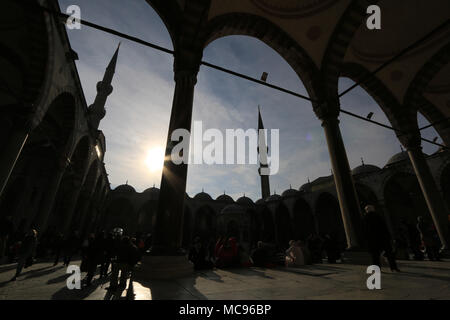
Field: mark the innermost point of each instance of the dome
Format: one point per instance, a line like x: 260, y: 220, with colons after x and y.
x: 306, y: 187
x: 245, y: 201
x: 289, y: 193
x: 202, y: 196
x: 125, y: 188
x: 225, y: 198
x: 401, y: 156
x: 365, y: 168
x: 260, y: 201
x: 273, y: 197
x: 233, y: 208
x: 152, y: 193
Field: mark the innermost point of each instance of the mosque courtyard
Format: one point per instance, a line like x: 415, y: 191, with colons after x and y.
x: 424, y: 280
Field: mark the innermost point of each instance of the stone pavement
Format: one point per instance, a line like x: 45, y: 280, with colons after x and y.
x: 418, y: 280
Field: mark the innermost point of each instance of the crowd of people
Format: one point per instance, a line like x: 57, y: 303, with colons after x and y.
x: 228, y: 252
x: 101, y: 250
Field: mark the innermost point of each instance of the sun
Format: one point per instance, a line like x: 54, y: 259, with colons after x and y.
x: 155, y: 159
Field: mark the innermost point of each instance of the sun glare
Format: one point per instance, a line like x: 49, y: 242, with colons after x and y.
x: 155, y: 159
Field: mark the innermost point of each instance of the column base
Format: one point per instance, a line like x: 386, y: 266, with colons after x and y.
x: 359, y: 257
x: 163, y: 267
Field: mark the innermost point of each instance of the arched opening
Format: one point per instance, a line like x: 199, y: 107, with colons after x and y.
x: 284, y: 226
x: 329, y: 219
x: 404, y: 199
x: 205, y: 223
x: 187, y: 228
x: 69, y: 183
x: 120, y: 214
x: 445, y: 185
x: 304, y: 223
x: 233, y: 230
x: 146, y: 216
x: 429, y: 133
x: 43, y: 154
x: 85, y: 195
x: 268, y: 233
x: 251, y: 52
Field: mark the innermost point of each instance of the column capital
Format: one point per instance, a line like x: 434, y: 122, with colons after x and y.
x: 410, y: 140
x: 326, y: 110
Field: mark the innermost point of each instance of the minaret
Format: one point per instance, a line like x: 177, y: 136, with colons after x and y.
x: 265, y: 186
x: 104, y: 88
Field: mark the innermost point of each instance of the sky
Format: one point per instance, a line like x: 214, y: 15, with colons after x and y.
x: 138, y: 110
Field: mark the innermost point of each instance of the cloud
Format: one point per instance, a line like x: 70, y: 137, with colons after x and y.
x: 138, y: 110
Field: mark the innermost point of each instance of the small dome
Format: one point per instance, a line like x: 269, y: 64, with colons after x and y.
x: 401, y: 156
x: 259, y: 201
x: 365, y: 168
x: 245, y: 201
x: 125, y: 188
x: 152, y: 192
x: 202, y: 196
x: 225, y: 198
x: 306, y: 187
x: 289, y: 193
x: 233, y: 208
x: 273, y: 197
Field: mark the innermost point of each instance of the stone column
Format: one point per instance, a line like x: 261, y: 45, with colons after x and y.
x: 167, y: 259
x: 430, y: 191
x: 167, y: 236
x: 50, y: 196
x: 71, y: 206
x: 9, y: 155
x: 348, y: 199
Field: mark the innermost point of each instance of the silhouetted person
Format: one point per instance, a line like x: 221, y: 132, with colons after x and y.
x: 127, y: 257
x: 260, y: 255
x: 414, y: 241
x: 198, y: 255
x: 109, y: 251
x: 92, y: 255
x: 6, y: 232
x: 378, y: 238
x: 26, y: 252
x: 429, y: 238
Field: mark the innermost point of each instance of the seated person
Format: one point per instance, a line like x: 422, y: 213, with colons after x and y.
x: 294, y: 255
x: 260, y: 255
x: 198, y: 255
x: 227, y: 253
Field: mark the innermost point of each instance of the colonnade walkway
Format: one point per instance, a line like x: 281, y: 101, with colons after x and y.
x: 418, y: 280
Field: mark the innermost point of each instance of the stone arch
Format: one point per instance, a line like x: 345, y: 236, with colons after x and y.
x: 268, y: 232
x: 340, y: 40
x: 329, y: 218
x: 170, y: 14
x: 120, y: 214
x: 283, y: 226
x: 404, y: 199
x: 264, y: 30
x: 70, y: 181
x: 303, y: 220
x: 187, y: 227
x: 205, y: 223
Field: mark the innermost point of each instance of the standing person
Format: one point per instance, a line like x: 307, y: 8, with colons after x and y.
x: 127, y: 257
x: 378, y: 238
x: 26, y: 252
x: 108, y: 249
x: 6, y: 232
x: 414, y: 241
x: 429, y: 238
